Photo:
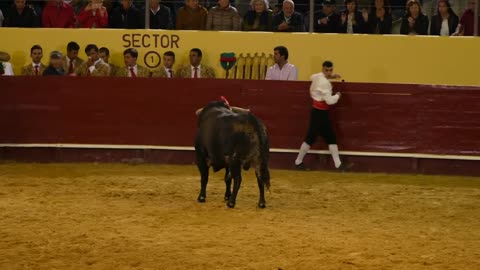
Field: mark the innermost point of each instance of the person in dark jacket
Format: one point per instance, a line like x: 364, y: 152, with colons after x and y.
x: 259, y: 18
x: 379, y: 19
x: 55, y: 68
x: 21, y: 15
x: 288, y: 20
x: 445, y: 22
x: 352, y: 20
x: 414, y: 22
x: 127, y: 16
x: 160, y: 16
x: 327, y: 20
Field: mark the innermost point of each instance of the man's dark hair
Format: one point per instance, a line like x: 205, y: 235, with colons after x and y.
x: 72, y: 46
x: 172, y: 54
x: 282, y: 50
x: 104, y: 50
x: 90, y: 47
x: 35, y: 47
x: 327, y: 64
x: 197, y: 50
x: 132, y: 52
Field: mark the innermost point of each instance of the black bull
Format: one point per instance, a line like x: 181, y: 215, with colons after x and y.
x: 231, y: 140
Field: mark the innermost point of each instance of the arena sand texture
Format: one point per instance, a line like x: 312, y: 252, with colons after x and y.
x: 115, y: 216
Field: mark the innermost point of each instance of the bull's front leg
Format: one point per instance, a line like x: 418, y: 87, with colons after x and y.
x: 228, y: 184
x: 235, y: 170
x: 203, y: 168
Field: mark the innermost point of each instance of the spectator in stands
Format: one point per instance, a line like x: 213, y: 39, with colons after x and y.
x: 352, y: 20
x: 327, y: 20
x: 127, y: 16
x: 379, y: 19
x: 132, y: 69
x: 21, y: 15
x: 224, y: 17
x: 6, y: 68
x: 104, y: 53
x: 58, y: 14
x: 192, y: 16
x: 282, y: 70
x: 196, y: 69
x: 166, y: 71
x: 2, y: 18
x: 55, y: 67
x: 398, y: 8
x: 160, y: 16
x: 445, y: 22
x: 259, y: 18
x: 71, y: 61
x: 288, y: 20
x: 465, y: 27
x: 35, y: 68
x: 277, y: 9
x: 94, y: 66
x: 93, y: 15
x: 414, y: 22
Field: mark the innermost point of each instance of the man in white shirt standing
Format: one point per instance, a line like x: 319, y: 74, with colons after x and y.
x: 320, y: 124
x: 282, y: 70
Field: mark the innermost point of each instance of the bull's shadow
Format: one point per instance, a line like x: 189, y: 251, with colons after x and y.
x: 231, y: 138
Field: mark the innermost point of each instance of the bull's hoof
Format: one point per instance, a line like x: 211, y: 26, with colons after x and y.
x: 226, y: 198
x: 231, y: 205
x: 201, y: 199
x: 262, y: 205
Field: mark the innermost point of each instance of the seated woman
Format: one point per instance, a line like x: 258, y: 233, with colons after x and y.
x: 379, y: 19
x: 414, y: 22
x: 445, y: 21
x: 352, y: 20
x: 260, y: 18
x: 93, y: 15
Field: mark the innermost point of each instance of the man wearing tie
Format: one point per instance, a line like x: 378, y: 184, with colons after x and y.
x: 132, y: 69
x: 36, y: 68
x: 71, y: 61
x: 94, y: 66
x: 196, y: 69
x: 167, y: 70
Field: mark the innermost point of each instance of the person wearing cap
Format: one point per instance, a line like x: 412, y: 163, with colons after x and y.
x: 35, y: 68
x: 327, y: 20
x: 55, y: 68
x: 288, y: 20
x: 320, y: 124
x: 282, y: 70
x: 94, y: 66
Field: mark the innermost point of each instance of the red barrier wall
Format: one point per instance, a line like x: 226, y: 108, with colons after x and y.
x: 391, y: 118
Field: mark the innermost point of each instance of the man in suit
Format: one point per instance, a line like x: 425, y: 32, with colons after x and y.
x: 36, y: 68
x: 196, y: 69
x: 166, y: 71
x: 71, y: 61
x: 104, y: 53
x: 55, y: 68
x: 132, y: 69
x: 94, y: 66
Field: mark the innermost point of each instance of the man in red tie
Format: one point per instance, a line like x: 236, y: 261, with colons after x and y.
x: 196, y: 69
x: 132, y: 69
x: 71, y: 61
x: 94, y: 66
x: 36, y: 68
x: 166, y: 71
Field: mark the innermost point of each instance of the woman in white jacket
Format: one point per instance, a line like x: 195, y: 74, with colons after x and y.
x: 320, y: 124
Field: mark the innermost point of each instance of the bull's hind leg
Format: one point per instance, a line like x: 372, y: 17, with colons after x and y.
x: 228, y: 184
x: 235, y: 170
x: 261, y: 189
x: 203, y: 168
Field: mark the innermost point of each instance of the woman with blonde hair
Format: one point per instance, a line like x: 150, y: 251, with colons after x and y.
x: 259, y: 18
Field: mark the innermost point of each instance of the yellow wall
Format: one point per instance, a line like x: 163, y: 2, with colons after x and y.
x: 359, y: 58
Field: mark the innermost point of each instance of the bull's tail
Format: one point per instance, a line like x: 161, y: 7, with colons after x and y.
x: 264, y: 148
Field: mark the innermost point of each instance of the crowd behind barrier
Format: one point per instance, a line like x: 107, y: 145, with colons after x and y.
x: 330, y: 16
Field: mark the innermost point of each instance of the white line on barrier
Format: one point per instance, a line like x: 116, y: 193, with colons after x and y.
x: 273, y: 150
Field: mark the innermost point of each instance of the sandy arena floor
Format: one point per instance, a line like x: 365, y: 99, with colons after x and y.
x: 87, y: 216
